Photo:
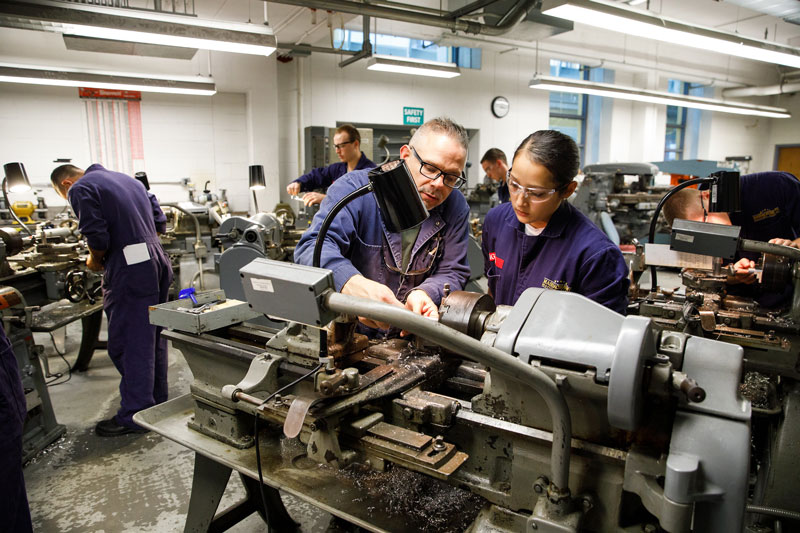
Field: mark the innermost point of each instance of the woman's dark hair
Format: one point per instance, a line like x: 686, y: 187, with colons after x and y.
x: 554, y: 150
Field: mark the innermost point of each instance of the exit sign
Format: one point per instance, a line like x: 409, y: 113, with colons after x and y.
x: 413, y: 116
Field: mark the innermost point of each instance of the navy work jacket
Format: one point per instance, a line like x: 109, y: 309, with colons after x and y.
x: 357, y: 242
x: 571, y: 254
x: 114, y: 211
x: 322, y: 178
x: 770, y: 210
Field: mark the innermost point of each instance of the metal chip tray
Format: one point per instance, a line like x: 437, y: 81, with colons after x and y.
x: 175, y: 314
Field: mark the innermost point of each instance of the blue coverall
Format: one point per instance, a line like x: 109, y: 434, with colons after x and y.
x: 116, y: 214
x: 14, y: 513
x: 571, y: 254
x: 358, y: 242
x: 770, y: 210
x: 322, y: 178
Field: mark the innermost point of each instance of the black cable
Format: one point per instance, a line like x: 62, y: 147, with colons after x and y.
x: 55, y: 346
x: 69, y: 370
x: 654, y: 220
x: 323, y: 229
x: 255, y: 430
x: 59, y: 375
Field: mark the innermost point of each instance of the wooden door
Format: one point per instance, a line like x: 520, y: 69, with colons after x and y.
x: 787, y: 158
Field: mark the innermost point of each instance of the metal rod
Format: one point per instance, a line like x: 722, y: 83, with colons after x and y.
x: 747, y: 245
x: 477, y: 351
x: 198, y: 238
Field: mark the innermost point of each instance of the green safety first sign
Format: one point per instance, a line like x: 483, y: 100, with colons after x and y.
x: 413, y: 116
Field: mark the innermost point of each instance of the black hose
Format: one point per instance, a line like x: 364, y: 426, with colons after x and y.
x: 652, y: 234
x: 323, y: 229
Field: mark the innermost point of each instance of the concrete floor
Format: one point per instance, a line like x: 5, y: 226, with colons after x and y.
x: 140, y: 482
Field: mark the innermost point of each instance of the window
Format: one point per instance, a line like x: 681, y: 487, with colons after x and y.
x: 393, y: 45
x: 676, y: 124
x: 568, y: 110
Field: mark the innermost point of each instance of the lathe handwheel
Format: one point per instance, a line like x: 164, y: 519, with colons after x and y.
x: 75, y: 286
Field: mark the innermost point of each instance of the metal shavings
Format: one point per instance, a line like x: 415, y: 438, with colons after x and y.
x: 756, y: 388
x: 422, y: 502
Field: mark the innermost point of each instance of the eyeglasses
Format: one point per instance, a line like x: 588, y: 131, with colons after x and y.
x: 533, y: 194
x: 432, y: 172
x: 340, y: 145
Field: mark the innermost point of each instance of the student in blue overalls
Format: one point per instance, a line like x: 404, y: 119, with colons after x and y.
x: 537, y: 239
x: 14, y: 511
x: 120, y: 221
x: 347, y: 143
x: 495, y: 164
x: 770, y: 211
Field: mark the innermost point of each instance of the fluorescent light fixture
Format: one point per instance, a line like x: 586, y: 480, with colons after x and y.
x: 549, y: 83
x: 66, y: 77
x: 125, y: 24
x: 623, y: 19
x: 419, y: 67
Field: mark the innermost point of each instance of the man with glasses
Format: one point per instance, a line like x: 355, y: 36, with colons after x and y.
x: 411, y: 268
x: 537, y: 239
x: 770, y: 212
x: 495, y: 165
x: 121, y: 221
x: 347, y: 142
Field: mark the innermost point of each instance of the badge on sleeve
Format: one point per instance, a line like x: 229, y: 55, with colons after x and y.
x: 496, y: 260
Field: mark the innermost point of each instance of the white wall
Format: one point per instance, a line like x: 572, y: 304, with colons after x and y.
x: 354, y: 94
x: 200, y: 138
x: 634, y: 132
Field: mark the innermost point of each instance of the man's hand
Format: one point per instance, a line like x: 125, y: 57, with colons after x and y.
x: 419, y: 302
x: 786, y: 242
x: 93, y: 264
x: 742, y: 272
x: 293, y: 188
x: 362, y: 287
x: 312, y: 198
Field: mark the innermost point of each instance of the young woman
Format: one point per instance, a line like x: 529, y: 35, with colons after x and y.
x: 539, y: 240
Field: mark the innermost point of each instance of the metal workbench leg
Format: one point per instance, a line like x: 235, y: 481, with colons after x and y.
x: 208, y: 485
x: 279, y: 520
x: 91, y: 330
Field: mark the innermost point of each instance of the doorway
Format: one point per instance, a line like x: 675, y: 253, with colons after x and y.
x: 787, y: 158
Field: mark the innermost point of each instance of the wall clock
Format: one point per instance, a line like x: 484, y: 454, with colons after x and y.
x: 500, y: 106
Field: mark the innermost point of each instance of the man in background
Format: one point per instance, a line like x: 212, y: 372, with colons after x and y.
x: 120, y: 221
x: 770, y: 211
x: 495, y: 165
x: 347, y: 142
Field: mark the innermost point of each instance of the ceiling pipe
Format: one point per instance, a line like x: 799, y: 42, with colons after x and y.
x: 307, y: 49
x: 764, y: 90
x: 401, y: 5
x: 514, y: 16
x: 366, y: 47
x: 469, y: 8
